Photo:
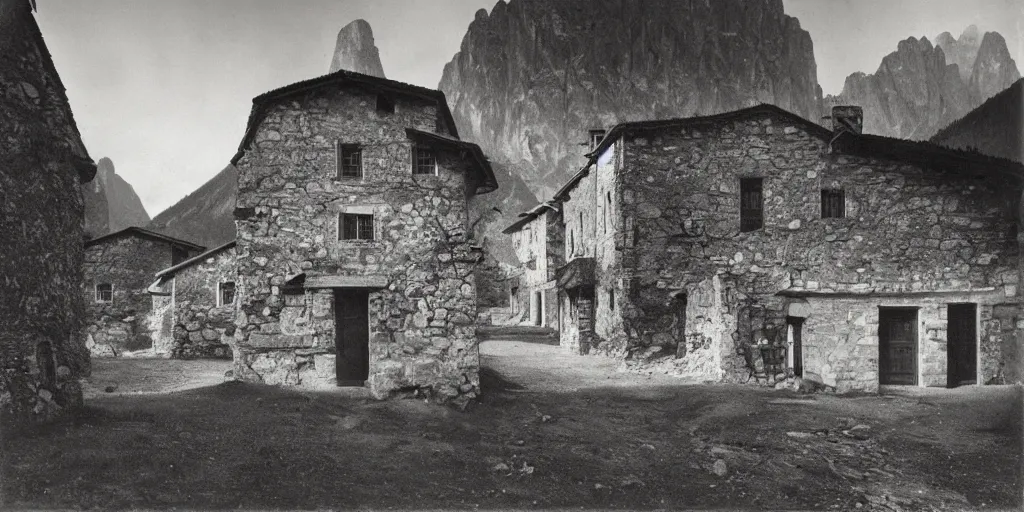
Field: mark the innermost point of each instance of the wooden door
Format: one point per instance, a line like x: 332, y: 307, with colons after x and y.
x: 797, y: 325
x: 962, y: 344
x: 352, y: 336
x: 897, y: 346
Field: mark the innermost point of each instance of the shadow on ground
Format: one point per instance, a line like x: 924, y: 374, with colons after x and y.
x: 583, y: 435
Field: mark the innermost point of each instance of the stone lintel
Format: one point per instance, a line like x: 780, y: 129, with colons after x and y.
x: 875, y: 294
x: 259, y: 340
x: 345, y: 282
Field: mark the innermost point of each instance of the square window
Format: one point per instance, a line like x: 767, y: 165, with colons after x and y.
x: 385, y: 105
x: 355, y: 227
x: 104, y: 292
x: 350, y: 161
x: 226, y: 293
x: 751, y: 204
x: 833, y: 204
x: 424, y: 162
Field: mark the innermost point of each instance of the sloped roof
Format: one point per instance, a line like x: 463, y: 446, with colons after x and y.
x: 488, y: 182
x: 914, y: 152
x: 170, y: 271
x: 84, y: 164
x: 145, y: 233
x: 259, y: 103
x: 528, y: 216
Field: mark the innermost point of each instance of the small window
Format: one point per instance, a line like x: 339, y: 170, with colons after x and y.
x: 572, y: 244
x: 751, y: 204
x: 350, y: 161
x: 385, y: 105
x: 833, y: 204
x: 104, y: 292
x: 424, y: 162
x: 356, y: 227
x: 607, y: 210
x: 611, y: 299
x: 596, y: 136
x: 226, y: 294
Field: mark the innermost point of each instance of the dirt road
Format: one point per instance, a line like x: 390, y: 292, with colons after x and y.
x: 551, y: 431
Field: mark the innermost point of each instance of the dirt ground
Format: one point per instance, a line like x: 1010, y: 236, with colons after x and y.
x: 551, y: 431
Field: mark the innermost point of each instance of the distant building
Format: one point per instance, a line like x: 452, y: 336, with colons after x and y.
x: 873, y: 260
x: 537, y: 241
x: 42, y: 164
x: 119, y: 267
x: 355, y: 259
x: 194, y: 302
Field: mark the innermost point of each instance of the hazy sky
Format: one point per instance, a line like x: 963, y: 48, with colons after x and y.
x: 164, y: 87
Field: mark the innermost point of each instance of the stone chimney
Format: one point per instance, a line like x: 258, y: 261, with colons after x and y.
x: 848, y: 118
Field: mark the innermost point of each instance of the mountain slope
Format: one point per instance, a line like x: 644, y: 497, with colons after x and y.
x: 205, y: 216
x: 111, y: 203
x: 995, y: 128
x: 533, y: 76
x: 356, y: 51
x: 916, y: 90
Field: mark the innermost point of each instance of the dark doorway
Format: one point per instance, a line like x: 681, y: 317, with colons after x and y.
x: 352, y: 336
x: 538, y: 309
x: 679, y: 323
x: 797, y: 324
x: 897, y: 346
x: 962, y: 345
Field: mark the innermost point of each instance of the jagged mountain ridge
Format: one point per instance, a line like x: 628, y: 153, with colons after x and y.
x: 532, y: 76
x: 205, y: 216
x: 916, y: 89
x: 995, y: 128
x: 111, y: 203
x: 356, y: 51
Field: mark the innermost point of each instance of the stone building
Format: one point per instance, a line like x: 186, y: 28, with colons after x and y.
x: 873, y: 260
x: 355, y: 255
x: 194, y: 302
x: 537, y: 241
x: 42, y: 164
x: 119, y: 268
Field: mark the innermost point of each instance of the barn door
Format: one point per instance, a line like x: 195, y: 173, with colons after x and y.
x: 962, y: 345
x: 897, y: 346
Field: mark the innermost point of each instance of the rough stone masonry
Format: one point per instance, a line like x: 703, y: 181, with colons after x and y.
x: 42, y: 164
x: 922, y: 228
x: 414, y: 259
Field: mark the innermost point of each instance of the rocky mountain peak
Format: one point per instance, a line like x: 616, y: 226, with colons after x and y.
x: 920, y: 88
x: 111, y: 203
x: 961, y: 51
x: 994, y: 70
x: 355, y: 50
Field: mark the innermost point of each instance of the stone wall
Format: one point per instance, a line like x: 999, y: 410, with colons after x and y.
x: 907, y: 231
x: 422, y: 332
x: 42, y: 354
x: 538, y: 247
x: 201, y: 326
x: 129, y: 263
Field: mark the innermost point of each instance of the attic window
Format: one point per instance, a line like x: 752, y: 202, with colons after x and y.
x: 104, y: 292
x: 833, y: 204
x: 595, y: 138
x: 385, y: 105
